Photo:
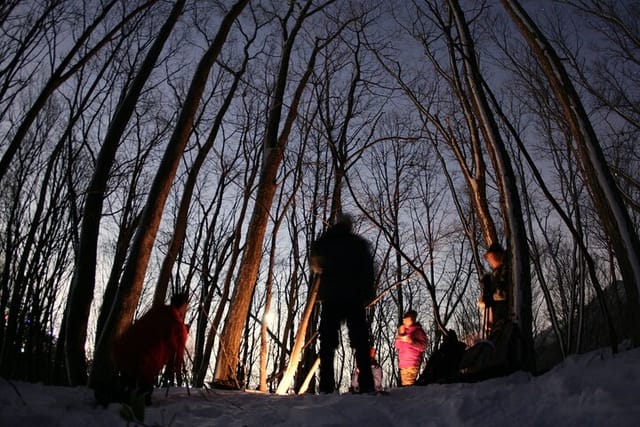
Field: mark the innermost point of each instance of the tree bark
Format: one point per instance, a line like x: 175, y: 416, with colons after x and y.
x: 516, y: 237
x: 185, y: 201
x: 597, y: 176
x: 296, y: 351
x: 83, y: 281
x: 123, y: 309
x: 274, y: 145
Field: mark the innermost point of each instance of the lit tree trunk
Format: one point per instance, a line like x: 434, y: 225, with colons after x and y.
x: 201, y: 361
x: 606, y: 196
x: 296, y: 351
x: 123, y: 309
x: 185, y: 201
x: 274, y: 146
x: 516, y: 237
x: 83, y: 281
x: 264, y: 343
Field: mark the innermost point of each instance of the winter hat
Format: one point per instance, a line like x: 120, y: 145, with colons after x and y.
x: 177, y: 300
x: 412, y: 314
x: 495, y: 248
x: 343, y: 222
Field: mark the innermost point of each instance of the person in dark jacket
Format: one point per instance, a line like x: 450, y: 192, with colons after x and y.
x: 345, y: 265
x: 501, y: 352
x: 494, y: 298
x: 156, y: 339
x: 411, y: 342
x: 443, y: 364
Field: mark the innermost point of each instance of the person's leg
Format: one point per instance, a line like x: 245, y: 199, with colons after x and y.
x: 359, y: 339
x: 408, y: 376
x: 328, y: 335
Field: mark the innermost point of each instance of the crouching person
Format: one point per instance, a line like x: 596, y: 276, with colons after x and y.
x: 156, y: 339
x: 443, y: 365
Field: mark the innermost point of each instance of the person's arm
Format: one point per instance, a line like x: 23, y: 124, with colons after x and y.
x: 486, y: 291
x: 315, y: 258
x: 419, y: 338
x: 401, y: 336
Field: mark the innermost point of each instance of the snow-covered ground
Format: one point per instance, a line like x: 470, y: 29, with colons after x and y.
x: 595, y: 389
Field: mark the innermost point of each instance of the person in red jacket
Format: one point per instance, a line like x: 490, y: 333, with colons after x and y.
x: 156, y: 339
x: 411, y: 342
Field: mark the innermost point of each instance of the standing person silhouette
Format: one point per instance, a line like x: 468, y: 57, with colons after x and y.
x: 345, y: 265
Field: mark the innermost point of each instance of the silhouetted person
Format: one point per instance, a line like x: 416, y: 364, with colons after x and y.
x: 442, y: 366
x: 501, y: 352
x: 345, y: 265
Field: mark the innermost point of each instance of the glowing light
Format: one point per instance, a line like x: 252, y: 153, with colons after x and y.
x: 269, y: 317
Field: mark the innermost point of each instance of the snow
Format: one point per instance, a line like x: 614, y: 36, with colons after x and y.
x: 594, y: 389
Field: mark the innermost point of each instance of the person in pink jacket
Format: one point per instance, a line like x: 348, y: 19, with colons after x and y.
x: 411, y: 342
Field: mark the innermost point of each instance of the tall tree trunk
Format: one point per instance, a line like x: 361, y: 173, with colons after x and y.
x: 123, y: 309
x: 597, y: 176
x: 185, y: 201
x: 274, y: 146
x: 516, y: 237
x: 264, y: 343
x: 83, y: 281
x: 296, y: 351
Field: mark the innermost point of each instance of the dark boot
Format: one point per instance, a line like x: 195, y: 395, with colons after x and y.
x: 365, y: 375
x: 327, y: 380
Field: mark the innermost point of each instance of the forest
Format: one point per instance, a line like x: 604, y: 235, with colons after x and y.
x: 149, y: 147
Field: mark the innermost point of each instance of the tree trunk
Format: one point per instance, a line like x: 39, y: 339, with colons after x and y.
x: 274, y: 153
x: 604, y: 192
x: 294, y: 357
x: 123, y: 309
x: 516, y: 237
x: 274, y: 147
x: 185, y: 201
x: 83, y: 281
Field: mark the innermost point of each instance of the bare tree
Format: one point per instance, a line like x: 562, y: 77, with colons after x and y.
x: 36, y: 246
x: 123, y: 309
x: 64, y: 70
x: 607, y: 200
x: 515, y: 233
x: 274, y: 147
x: 83, y: 282
x: 194, y: 170
x: 20, y: 52
x: 228, y: 256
